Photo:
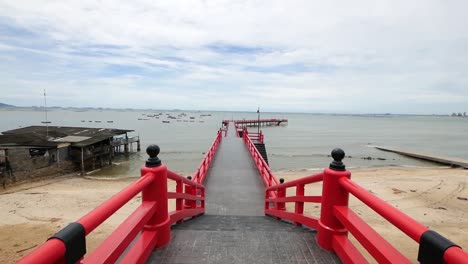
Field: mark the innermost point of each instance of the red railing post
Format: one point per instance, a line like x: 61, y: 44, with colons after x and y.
x: 332, y: 195
x: 299, y: 206
x: 188, y: 190
x: 157, y: 192
x: 179, y: 189
x: 179, y: 201
x: 281, y: 193
x: 203, y: 201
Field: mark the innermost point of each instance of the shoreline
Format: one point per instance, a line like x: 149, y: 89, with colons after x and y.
x: 36, y: 210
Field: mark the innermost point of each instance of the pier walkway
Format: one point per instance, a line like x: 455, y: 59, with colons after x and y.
x: 233, y: 210
x: 235, y: 228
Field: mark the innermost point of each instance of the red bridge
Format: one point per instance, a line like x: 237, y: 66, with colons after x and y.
x: 232, y: 210
x: 256, y: 122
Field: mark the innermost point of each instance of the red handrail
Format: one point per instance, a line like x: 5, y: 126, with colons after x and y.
x: 148, y: 226
x: 408, y: 225
x: 337, y: 219
x: 297, y: 217
x: 200, y: 174
x: 242, y: 121
x: 269, y: 179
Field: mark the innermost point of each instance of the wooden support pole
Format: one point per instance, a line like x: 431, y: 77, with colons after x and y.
x: 82, y: 162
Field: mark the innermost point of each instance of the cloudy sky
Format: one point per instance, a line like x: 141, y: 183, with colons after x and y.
x: 301, y: 56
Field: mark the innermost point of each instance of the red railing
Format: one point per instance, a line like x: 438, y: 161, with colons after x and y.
x: 200, y: 174
x: 246, y: 121
x: 269, y: 179
x: 279, y: 208
x: 256, y: 137
x: 337, y: 219
x: 148, y: 227
x: 226, y: 129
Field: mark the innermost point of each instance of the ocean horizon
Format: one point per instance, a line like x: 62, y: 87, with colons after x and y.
x: 304, y: 144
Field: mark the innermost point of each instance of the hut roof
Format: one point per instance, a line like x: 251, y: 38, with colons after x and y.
x: 77, y: 136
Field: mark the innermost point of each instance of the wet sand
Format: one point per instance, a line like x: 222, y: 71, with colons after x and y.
x: 32, y: 212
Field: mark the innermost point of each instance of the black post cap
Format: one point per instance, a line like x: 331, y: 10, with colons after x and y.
x: 281, y: 180
x: 153, y: 152
x: 74, y: 238
x: 432, y: 247
x: 337, y: 164
x: 189, y: 177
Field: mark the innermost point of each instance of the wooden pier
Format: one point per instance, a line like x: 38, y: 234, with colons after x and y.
x: 257, y: 122
x: 457, y: 162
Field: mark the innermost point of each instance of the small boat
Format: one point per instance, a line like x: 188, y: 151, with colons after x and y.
x: 110, y: 121
x: 46, y: 122
x: 166, y: 122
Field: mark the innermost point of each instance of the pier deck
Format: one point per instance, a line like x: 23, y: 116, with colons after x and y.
x: 234, y: 228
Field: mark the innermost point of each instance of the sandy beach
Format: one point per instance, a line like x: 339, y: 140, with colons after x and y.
x: 437, y: 197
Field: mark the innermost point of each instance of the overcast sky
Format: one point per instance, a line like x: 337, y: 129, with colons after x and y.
x: 300, y: 56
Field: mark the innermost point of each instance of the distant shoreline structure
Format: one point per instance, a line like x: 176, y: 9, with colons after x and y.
x: 84, y: 109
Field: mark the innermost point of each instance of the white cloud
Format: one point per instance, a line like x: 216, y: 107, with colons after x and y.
x: 355, y: 56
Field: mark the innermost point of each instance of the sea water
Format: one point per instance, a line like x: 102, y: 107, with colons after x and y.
x: 304, y: 143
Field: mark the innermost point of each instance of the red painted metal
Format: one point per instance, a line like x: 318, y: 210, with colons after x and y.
x: 302, y: 181
x: 455, y: 255
x: 157, y: 192
x: 188, y: 192
x: 332, y: 195
x: 52, y: 251
x: 255, y: 121
x: 142, y: 248
x: 150, y: 222
x: 346, y: 251
x: 297, y: 198
x: 336, y: 219
x: 256, y: 137
x: 179, y: 189
x: 109, y: 207
x: 376, y: 245
x: 300, y: 199
x: 110, y: 250
x: 309, y: 221
x: 402, y: 221
x: 187, y: 213
x: 280, y: 204
x: 297, y: 216
x: 269, y: 179
x: 226, y: 129
x: 200, y: 174
x: 193, y: 192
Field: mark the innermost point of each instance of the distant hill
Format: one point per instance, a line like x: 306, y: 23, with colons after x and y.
x: 2, y: 105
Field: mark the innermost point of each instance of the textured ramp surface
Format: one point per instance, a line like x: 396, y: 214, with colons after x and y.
x: 241, y: 239
x: 233, y: 185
